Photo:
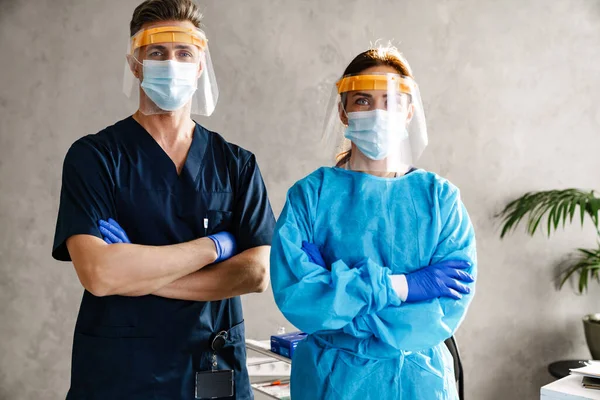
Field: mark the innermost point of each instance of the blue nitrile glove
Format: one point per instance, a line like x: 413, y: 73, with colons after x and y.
x: 112, y: 232
x: 313, y: 253
x: 439, y: 280
x: 225, y: 244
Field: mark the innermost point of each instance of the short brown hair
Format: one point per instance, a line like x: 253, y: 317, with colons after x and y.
x: 387, y: 55
x: 164, y: 10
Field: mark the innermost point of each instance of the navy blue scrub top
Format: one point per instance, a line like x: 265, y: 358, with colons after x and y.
x: 149, y: 347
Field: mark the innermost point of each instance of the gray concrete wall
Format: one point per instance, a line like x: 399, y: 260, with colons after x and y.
x: 511, y: 90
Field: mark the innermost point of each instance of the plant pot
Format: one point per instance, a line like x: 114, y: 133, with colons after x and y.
x: 591, y: 326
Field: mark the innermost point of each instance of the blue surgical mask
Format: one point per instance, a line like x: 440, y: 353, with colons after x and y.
x: 373, y: 132
x: 170, y: 84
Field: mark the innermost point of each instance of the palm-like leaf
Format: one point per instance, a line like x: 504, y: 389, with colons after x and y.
x: 587, y: 264
x: 559, y: 205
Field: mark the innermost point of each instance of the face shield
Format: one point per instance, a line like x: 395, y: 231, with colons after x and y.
x: 172, y: 66
x: 380, y: 117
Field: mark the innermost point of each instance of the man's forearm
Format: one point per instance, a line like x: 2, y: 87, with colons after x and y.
x: 135, y: 270
x: 245, y: 273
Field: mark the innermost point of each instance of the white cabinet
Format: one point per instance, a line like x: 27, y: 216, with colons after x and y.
x: 568, y: 388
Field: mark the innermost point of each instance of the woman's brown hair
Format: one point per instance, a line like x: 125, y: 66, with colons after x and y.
x: 389, y: 56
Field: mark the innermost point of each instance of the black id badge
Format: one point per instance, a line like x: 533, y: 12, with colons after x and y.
x: 215, y: 384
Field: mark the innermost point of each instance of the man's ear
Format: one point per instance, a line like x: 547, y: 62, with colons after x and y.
x: 201, y: 64
x: 134, y: 66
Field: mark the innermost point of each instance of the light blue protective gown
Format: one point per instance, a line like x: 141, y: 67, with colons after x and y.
x: 364, y: 343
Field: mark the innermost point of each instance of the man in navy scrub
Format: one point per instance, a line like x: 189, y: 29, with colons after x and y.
x: 167, y: 224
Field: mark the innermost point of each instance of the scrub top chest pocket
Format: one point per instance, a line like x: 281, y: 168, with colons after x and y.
x: 207, y: 213
x: 217, y: 221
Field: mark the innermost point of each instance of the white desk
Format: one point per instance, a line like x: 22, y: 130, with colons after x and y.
x: 568, y: 388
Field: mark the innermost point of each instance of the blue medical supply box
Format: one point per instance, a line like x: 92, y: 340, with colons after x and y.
x: 285, y: 344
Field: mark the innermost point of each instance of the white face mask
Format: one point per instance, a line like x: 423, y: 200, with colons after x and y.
x: 170, y: 84
x: 375, y: 132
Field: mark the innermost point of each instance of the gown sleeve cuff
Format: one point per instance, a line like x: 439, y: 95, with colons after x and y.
x: 400, y: 286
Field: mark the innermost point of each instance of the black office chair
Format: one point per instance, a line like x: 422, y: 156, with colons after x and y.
x: 458, y: 369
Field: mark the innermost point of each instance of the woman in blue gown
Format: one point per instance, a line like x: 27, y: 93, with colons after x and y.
x: 373, y: 258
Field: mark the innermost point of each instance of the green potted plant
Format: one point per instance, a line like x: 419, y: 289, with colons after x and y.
x: 560, y: 207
